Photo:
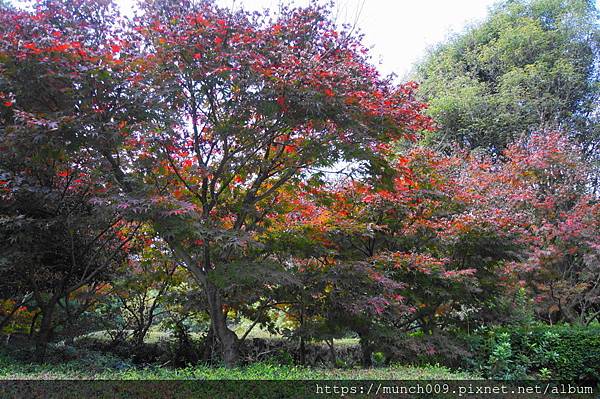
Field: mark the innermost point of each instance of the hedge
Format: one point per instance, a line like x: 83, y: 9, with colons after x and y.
x: 561, y: 352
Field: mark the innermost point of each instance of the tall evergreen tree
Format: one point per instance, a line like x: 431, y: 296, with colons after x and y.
x: 532, y: 65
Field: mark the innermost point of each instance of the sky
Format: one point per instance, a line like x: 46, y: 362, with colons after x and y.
x: 397, y: 31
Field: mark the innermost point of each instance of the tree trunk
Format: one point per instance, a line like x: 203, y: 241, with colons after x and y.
x: 142, y: 330
x: 227, y: 338
x: 302, y: 351
x: 302, y: 340
x: 332, y: 355
x: 44, y: 333
x: 138, y: 339
x: 207, y: 347
x: 366, y: 350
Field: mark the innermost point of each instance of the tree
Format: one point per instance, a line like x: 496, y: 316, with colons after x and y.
x: 201, y: 115
x: 544, y: 179
x: 58, y: 245
x: 58, y: 250
x: 530, y: 66
x: 140, y: 288
x: 409, y: 251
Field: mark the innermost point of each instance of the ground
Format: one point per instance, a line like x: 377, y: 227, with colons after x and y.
x: 105, y: 368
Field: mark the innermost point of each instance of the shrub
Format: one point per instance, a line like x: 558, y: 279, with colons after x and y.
x: 420, y: 349
x: 560, y: 352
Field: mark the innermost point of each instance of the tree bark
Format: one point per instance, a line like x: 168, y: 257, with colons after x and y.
x: 302, y: 351
x: 44, y: 333
x: 207, y: 347
x: 366, y: 350
x: 227, y: 338
x: 302, y: 340
x: 332, y: 354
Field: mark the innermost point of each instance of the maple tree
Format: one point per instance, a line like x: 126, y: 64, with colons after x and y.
x: 454, y: 236
x: 140, y: 287
x: 200, y: 114
x: 59, y: 247
x: 416, y: 237
x: 58, y: 251
x: 546, y: 181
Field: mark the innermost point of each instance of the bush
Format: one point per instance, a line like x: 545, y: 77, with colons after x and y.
x: 286, y: 352
x: 420, y: 349
x: 546, y: 352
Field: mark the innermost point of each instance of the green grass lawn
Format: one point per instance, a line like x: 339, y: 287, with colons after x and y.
x: 104, y: 367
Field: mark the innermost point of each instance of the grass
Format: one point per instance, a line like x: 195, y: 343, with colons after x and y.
x: 104, y: 367
x: 102, y: 375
